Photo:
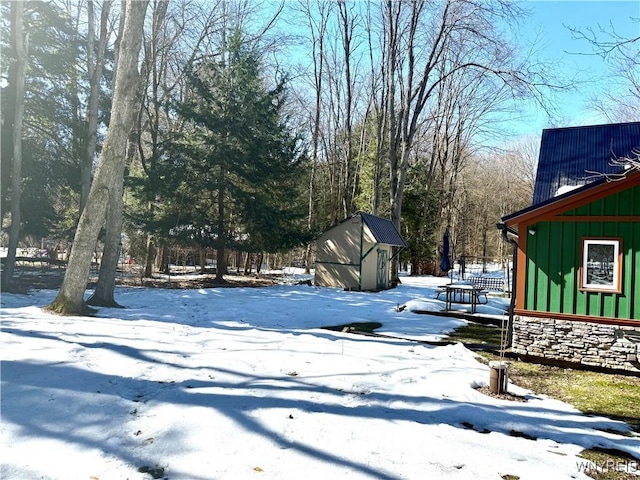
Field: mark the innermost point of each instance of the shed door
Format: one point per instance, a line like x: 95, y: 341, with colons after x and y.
x: 382, y: 275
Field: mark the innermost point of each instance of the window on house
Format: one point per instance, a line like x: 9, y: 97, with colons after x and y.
x: 601, y: 268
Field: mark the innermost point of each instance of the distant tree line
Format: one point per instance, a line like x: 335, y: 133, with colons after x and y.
x: 252, y: 128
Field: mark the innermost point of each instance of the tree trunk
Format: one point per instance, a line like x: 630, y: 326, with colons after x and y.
x: 94, y: 72
x: 221, y: 265
x: 221, y: 258
x: 70, y: 298
x: 351, y: 173
x: 203, y: 259
x: 484, y: 250
x: 259, y: 260
x: 150, y: 254
x: 162, y: 260
x: 20, y: 41
x: 155, y: 53
x: 247, y: 264
x: 104, y: 293
x: 105, y: 289
x: 318, y: 32
x: 238, y: 261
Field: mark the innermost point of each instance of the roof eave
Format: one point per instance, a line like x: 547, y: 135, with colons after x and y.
x: 588, y: 193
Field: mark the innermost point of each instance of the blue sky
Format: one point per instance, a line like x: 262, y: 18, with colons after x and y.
x: 550, y: 20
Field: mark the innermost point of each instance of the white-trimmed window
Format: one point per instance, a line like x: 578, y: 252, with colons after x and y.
x: 601, y: 267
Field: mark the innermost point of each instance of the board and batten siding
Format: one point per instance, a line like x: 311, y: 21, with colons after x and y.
x: 554, y: 257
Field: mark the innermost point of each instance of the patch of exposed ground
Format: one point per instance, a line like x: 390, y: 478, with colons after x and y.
x: 28, y: 278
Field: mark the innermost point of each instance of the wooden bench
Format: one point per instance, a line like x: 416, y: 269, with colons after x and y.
x: 488, y: 283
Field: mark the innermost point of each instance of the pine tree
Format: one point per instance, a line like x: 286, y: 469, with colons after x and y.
x: 49, y: 163
x: 231, y: 178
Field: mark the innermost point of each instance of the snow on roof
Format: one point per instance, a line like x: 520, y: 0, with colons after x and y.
x: 566, y: 189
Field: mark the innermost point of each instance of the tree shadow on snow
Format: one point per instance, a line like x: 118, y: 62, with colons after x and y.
x: 66, y: 402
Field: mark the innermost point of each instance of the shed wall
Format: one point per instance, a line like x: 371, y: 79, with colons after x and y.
x: 338, y: 256
x: 341, y: 244
x: 338, y: 276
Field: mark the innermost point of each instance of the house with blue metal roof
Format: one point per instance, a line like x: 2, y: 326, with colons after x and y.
x: 577, y: 251
x: 357, y: 253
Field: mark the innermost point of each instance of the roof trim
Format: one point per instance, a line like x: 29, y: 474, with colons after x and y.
x: 573, y: 199
x: 597, y: 125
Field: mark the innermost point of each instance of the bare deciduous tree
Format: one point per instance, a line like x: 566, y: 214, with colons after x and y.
x: 108, y: 177
x: 425, y: 46
x: 619, y: 100
x: 95, y: 66
x: 317, y: 22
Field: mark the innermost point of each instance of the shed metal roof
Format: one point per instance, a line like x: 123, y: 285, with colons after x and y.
x: 383, y: 230
x: 567, y: 155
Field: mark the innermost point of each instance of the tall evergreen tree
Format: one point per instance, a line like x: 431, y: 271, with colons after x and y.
x: 47, y: 135
x: 233, y: 173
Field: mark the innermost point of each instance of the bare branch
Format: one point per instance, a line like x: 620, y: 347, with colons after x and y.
x: 629, y: 163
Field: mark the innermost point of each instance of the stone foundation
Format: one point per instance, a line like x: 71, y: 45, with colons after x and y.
x: 584, y: 343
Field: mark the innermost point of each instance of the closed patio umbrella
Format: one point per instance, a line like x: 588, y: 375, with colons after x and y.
x: 445, y: 264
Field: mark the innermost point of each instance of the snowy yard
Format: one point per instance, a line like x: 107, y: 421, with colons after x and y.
x: 243, y: 383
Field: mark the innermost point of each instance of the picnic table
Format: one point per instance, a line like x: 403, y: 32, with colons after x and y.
x: 463, y: 293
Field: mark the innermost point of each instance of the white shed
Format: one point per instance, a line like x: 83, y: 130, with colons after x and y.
x: 356, y: 254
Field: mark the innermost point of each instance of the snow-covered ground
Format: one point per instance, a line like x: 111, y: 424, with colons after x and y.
x: 243, y: 383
